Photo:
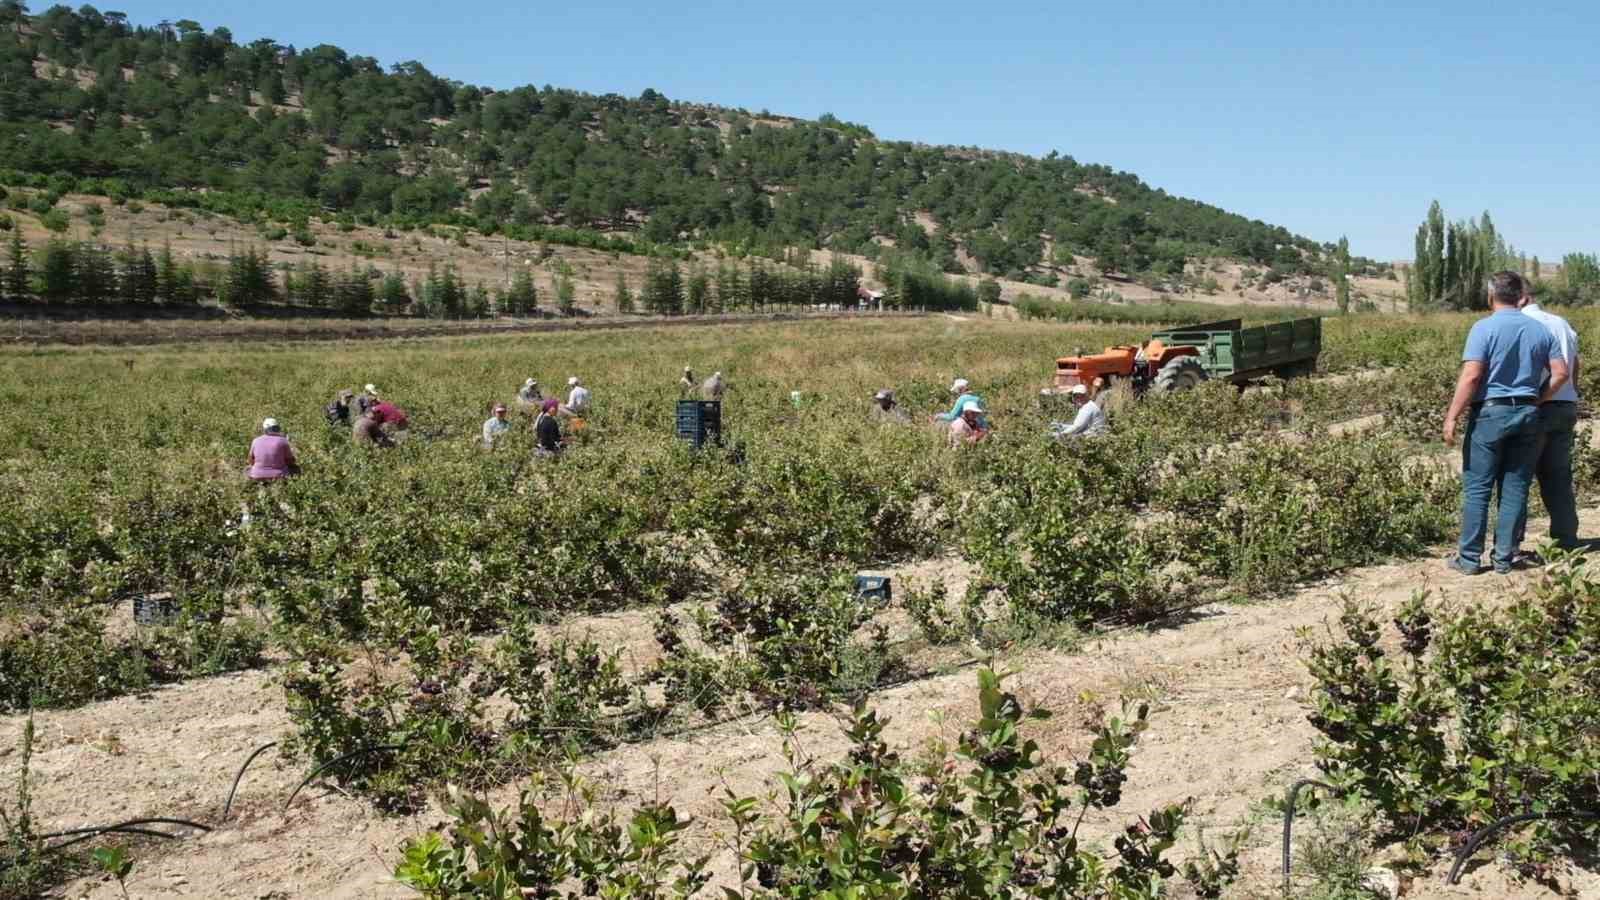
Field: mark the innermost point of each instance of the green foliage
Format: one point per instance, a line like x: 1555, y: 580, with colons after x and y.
x: 14, y: 280
x: 621, y: 295
x: 566, y: 295
x: 1341, y: 275
x: 662, y: 293
x: 1033, y: 308
x: 1580, y: 280
x: 791, y: 641
x: 249, y: 280
x: 56, y: 221
x: 69, y: 659
x: 114, y: 862
x: 393, y: 293
x: 27, y: 868
x: 521, y: 297
x: 1485, y: 712
x: 986, y: 817
x: 1453, y: 262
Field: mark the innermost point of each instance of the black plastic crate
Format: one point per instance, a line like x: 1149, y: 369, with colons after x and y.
x: 155, y: 609
x: 874, y: 587
x: 700, y: 422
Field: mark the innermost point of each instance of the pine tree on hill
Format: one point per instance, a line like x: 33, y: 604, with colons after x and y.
x: 15, y: 283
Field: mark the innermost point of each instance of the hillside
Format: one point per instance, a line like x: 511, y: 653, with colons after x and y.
x: 90, y: 102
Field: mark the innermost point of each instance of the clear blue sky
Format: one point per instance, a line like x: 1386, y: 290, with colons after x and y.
x: 1331, y: 117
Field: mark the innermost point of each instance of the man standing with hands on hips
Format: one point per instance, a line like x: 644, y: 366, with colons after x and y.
x: 1558, y: 423
x: 1503, y: 380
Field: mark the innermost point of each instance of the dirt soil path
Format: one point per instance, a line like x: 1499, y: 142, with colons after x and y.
x: 1227, y: 688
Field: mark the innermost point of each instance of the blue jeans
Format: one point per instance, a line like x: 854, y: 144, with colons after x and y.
x: 1558, y: 423
x: 1499, y: 450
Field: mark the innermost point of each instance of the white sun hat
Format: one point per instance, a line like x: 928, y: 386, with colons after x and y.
x: 959, y: 386
x: 372, y: 390
x: 971, y: 406
x: 269, y: 424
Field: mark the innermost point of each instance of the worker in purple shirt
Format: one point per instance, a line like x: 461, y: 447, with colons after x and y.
x: 271, y: 457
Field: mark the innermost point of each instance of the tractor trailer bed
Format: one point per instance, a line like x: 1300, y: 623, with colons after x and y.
x: 1227, y: 350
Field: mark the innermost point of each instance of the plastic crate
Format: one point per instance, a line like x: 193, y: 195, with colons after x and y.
x: 874, y: 587
x: 700, y: 422
x: 155, y: 609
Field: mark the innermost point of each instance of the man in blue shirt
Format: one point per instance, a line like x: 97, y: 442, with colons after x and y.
x: 964, y: 395
x: 1503, y: 381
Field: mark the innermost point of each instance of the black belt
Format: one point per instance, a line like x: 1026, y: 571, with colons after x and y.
x: 1507, y: 401
x: 1561, y: 403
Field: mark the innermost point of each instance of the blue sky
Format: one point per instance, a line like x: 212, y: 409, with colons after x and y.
x: 1331, y: 117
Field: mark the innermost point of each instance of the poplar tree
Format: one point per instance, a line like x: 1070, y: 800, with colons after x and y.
x: 1341, y: 273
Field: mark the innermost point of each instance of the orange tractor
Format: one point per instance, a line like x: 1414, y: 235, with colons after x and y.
x: 1180, y: 358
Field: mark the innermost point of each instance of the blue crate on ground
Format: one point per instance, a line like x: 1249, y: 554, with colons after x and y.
x: 155, y: 609
x: 874, y: 587
x: 700, y: 422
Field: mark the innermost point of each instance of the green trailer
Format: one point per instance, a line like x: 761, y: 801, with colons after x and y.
x: 1227, y: 350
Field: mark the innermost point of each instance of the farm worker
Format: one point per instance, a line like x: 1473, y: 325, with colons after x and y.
x: 271, y: 457
x: 1090, y: 421
x: 1503, y: 381
x: 963, y: 391
x: 687, y: 385
x: 392, y: 415
x: 495, y: 426
x: 338, y: 412
x: 886, y: 410
x: 547, y: 430
x: 578, y: 398
x: 368, y: 430
x: 529, y: 394
x: 1558, y: 421
x: 968, y: 428
x: 714, y: 387
x: 367, y: 400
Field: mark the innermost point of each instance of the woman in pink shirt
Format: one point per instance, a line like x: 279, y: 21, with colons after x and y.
x: 271, y: 457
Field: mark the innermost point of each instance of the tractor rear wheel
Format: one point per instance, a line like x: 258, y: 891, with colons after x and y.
x: 1180, y: 374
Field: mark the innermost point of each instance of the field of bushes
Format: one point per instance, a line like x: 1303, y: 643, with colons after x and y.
x: 406, y: 595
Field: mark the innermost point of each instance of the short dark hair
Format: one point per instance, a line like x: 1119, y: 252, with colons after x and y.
x: 1505, y: 287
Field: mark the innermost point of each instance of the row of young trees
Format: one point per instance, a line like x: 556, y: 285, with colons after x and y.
x: 1454, y: 260
x: 79, y: 272
x: 757, y: 286
x: 88, y: 274
x: 667, y: 290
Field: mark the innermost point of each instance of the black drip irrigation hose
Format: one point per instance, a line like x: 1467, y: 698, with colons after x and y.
x: 112, y: 829
x: 79, y: 835
x: 1486, y: 831
x: 98, y: 828
x: 333, y: 762
x: 1288, y: 820
x: 228, y: 805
